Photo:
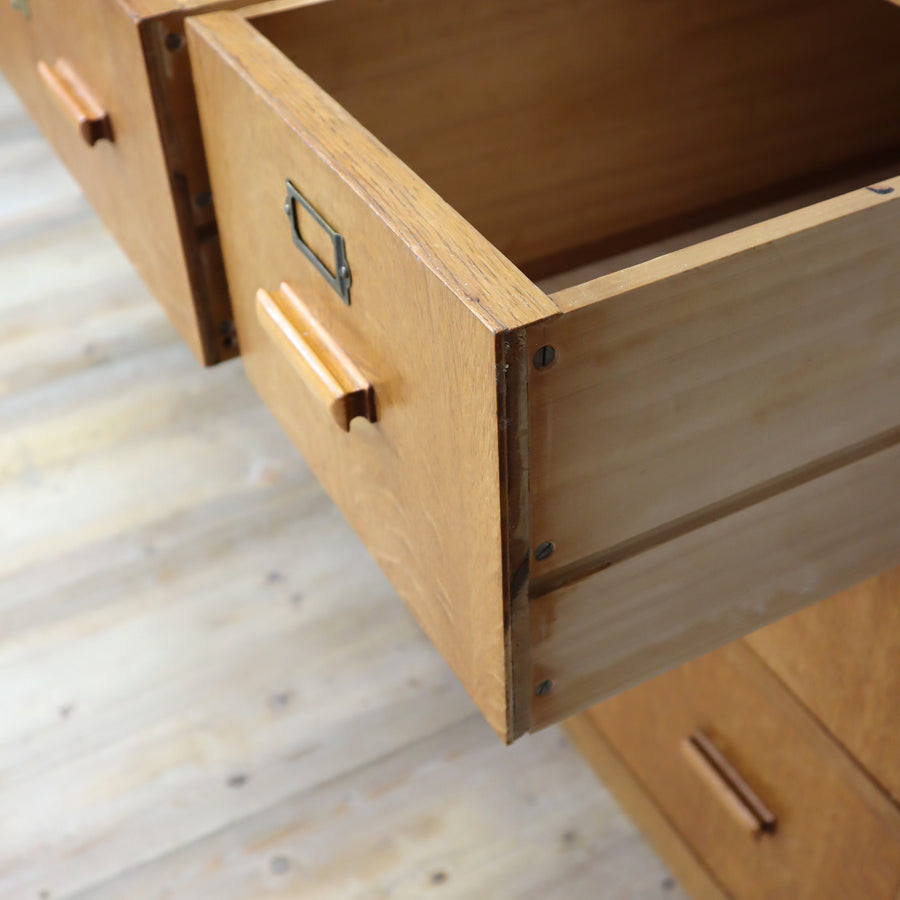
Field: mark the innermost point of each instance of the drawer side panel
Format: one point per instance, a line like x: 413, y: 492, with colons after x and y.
x: 649, y: 613
x: 692, y: 384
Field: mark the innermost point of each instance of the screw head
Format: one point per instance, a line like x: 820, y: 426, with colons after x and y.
x: 278, y: 865
x: 544, y: 688
x: 174, y: 42
x: 544, y: 357
x: 544, y: 551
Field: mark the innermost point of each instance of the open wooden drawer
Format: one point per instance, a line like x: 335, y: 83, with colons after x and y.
x: 109, y: 83
x: 574, y: 491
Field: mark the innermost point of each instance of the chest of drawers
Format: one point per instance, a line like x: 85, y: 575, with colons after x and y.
x: 770, y: 768
x: 573, y: 488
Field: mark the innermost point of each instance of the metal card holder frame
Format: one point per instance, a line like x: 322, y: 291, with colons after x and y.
x: 342, y: 279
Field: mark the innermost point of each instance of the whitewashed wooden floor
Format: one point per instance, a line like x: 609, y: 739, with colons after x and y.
x: 207, y: 688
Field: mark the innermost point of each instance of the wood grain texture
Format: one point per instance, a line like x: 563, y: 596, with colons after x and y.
x: 714, y: 584
x: 430, y: 819
x: 193, y: 642
x: 483, y: 279
x: 161, y: 26
x: 842, y: 660
x: 752, y: 212
x: 150, y: 186
x: 516, y: 513
x: 688, y: 380
x: 552, y: 126
x: 424, y: 487
x: 633, y: 797
x: 838, y: 836
x: 172, y: 89
x: 146, y: 9
x: 126, y: 182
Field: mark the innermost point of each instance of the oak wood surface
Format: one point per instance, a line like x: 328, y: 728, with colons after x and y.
x: 838, y: 835
x: 162, y: 8
x: 479, y: 276
x: 842, y: 660
x: 126, y: 181
x: 751, y: 213
x: 150, y: 187
x: 554, y: 126
x: 423, y: 486
x: 172, y: 89
x: 650, y: 612
x: 208, y: 690
x: 162, y: 30
x: 837, y: 660
x: 613, y: 770
x: 687, y: 380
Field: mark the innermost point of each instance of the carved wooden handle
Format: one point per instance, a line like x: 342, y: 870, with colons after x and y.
x: 73, y: 96
x: 315, y: 356
x: 736, y: 795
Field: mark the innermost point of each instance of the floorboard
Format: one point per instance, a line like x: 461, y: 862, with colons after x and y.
x: 207, y: 688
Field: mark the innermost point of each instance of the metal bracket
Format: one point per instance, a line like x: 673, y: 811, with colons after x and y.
x: 342, y: 279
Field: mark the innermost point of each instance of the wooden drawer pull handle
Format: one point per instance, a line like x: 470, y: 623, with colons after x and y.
x: 737, y: 796
x: 76, y: 101
x: 315, y: 356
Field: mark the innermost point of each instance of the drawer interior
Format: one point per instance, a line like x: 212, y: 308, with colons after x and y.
x: 566, y: 132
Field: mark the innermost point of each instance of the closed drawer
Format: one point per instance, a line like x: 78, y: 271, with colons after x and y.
x: 579, y: 489
x: 769, y: 803
x: 841, y: 658
x: 109, y: 84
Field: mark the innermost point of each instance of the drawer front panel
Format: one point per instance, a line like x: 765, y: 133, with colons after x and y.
x: 425, y: 483
x: 841, y: 657
x: 92, y: 55
x: 715, y: 738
